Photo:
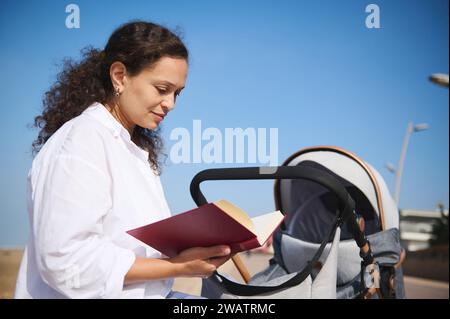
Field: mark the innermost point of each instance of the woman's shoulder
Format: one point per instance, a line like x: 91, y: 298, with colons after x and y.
x: 81, y: 137
x: 76, y: 149
x: 86, y: 130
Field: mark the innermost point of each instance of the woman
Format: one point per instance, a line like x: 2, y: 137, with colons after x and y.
x: 97, y: 174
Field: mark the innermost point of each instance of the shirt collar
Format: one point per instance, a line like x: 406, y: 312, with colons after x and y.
x: 99, y: 112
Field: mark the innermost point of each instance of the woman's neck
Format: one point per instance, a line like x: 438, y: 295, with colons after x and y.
x: 120, y: 117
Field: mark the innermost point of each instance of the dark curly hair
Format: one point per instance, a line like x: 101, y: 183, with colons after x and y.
x: 137, y: 45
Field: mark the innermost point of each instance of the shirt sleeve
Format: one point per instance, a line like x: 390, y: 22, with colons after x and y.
x: 74, y: 256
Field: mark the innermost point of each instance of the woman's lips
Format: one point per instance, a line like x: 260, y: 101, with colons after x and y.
x: 159, y: 116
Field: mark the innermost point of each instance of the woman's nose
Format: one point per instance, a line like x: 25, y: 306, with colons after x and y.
x: 168, y: 104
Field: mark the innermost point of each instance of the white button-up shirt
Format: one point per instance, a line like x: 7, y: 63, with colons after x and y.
x: 87, y: 186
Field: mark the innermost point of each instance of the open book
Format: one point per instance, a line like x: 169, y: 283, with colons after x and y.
x: 217, y: 223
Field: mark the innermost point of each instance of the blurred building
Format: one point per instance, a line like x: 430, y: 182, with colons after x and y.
x: 417, y: 227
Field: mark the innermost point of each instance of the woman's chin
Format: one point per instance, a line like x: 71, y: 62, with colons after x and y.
x: 151, y: 126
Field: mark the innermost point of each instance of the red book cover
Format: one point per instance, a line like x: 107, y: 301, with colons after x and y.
x: 207, y: 225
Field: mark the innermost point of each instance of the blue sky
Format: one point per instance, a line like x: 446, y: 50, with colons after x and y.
x: 309, y: 68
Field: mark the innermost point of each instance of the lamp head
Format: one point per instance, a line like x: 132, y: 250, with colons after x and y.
x: 440, y: 79
x: 421, y: 127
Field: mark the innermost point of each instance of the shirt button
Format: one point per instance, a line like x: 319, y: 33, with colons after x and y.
x: 116, y: 134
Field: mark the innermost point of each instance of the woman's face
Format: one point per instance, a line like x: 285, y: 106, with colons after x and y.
x: 147, y: 97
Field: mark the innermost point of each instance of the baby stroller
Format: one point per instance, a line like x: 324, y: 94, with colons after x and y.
x: 340, y: 238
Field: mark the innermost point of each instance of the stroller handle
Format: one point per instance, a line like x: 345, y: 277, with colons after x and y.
x: 346, y: 202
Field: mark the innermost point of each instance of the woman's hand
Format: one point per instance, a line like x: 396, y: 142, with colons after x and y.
x: 201, y: 261
x: 192, y: 262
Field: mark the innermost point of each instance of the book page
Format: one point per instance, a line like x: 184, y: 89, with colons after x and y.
x: 237, y: 214
x: 265, y: 225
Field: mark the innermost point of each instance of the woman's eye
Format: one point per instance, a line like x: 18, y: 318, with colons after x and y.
x: 161, y: 90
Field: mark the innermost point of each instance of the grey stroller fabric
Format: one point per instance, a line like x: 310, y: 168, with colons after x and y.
x: 340, y: 276
x: 322, y: 285
x: 385, y: 247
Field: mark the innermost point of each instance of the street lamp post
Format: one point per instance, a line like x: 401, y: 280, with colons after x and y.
x: 437, y: 78
x: 410, y: 129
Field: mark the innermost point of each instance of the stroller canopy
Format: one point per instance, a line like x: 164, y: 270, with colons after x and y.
x: 313, y: 206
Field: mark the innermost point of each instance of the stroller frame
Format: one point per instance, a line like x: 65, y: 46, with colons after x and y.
x: 346, y: 214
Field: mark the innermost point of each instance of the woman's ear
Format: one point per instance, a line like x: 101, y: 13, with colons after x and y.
x: 118, y: 73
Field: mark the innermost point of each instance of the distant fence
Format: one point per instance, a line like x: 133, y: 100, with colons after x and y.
x: 431, y: 263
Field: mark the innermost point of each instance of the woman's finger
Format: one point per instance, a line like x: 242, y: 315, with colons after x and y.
x: 214, y: 251
x: 219, y: 261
